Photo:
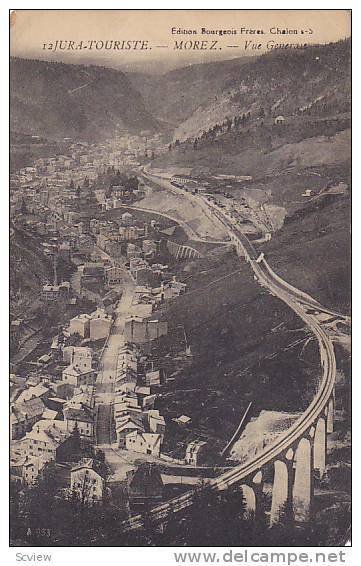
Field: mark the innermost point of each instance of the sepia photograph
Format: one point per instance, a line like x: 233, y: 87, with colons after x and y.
x: 180, y: 279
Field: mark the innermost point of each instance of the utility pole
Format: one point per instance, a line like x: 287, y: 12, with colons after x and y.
x: 188, y: 348
x: 55, y: 270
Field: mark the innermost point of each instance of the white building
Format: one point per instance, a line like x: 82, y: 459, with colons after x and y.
x: 193, y: 452
x: 80, y: 325
x: 114, y: 275
x: 80, y: 356
x: 81, y: 417
x: 100, y: 325
x: 87, y: 481
x: 156, y: 422
x: 77, y: 377
x: 26, y: 468
x: 45, y: 438
x: 153, y: 377
x: 144, y: 443
x: 125, y: 425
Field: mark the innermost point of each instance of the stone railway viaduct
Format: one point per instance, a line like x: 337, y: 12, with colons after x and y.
x: 299, y: 454
x: 180, y: 251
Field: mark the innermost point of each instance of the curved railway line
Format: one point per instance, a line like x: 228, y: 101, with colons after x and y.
x: 285, y: 446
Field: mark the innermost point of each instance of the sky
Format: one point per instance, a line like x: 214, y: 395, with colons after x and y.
x: 31, y: 29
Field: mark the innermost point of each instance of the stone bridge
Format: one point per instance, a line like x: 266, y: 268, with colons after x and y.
x: 180, y: 251
x: 297, y: 458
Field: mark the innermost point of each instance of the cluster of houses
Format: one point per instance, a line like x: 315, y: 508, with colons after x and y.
x: 48, y: 417
x: 49, y: 405
x: 139, y: 427
x: 110, y: 235
x: 54, y: 191
x: 51, y: 414
x: 141, y: 324
x: 94, y: 326
x: 84, y: 159
x: 53, y: 407
x: 47, y: 412
x: 41, y: 428
x: 42, y: 396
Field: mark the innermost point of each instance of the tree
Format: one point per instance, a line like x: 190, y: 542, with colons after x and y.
x: 83, y: 491
x: 39, y: 501
x: 195, y: 530
x: 100, y: 455
x: 131, y: 183
x: 215, y: 519
x: 233, y: 512
x: 150, y: 530
x: 73, y: 339
x: 75, y: 441
x: 23, y: 208
x: 173, y: 528
x: 16, y: 520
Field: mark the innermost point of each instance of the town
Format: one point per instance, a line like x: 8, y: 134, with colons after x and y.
x: 179, y: 298
x: 85, y: 397
x: 88, y: 389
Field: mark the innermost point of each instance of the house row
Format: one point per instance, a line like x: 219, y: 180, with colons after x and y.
x: 139, y: 427
x: 42, y: 403
x: 49, y: 440
x: 41, y: 434
x: 141, y: 330
x: 51, y: 293
x: 79, y: 413
x: 95, y: 326
x: 23, y: 415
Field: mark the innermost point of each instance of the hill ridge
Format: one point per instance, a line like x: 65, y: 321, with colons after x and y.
x: 55, y: 99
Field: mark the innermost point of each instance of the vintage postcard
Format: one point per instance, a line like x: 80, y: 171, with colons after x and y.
x: 180, y: 317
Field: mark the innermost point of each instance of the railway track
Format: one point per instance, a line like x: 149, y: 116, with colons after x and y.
x: 304, y: 306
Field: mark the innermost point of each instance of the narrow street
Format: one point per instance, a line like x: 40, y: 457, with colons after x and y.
x: 105, y: 429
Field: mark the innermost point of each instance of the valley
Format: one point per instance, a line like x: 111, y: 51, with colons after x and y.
x: 188, y: 239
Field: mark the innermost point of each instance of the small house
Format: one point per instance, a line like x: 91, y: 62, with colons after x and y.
x: 145, y: 485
